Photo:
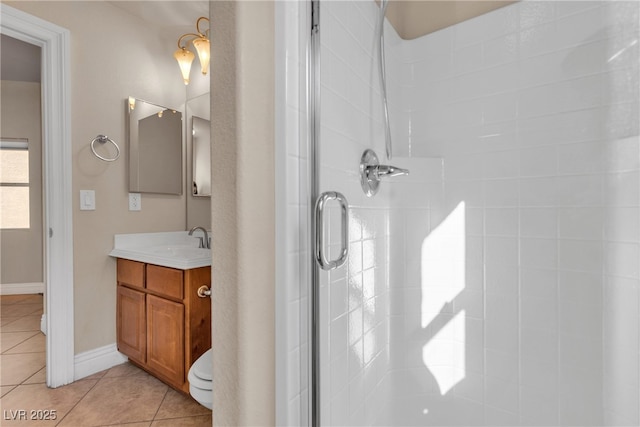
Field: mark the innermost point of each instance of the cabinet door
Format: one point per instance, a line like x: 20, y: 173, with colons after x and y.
x: 131, y: 323
x: 165, y: 338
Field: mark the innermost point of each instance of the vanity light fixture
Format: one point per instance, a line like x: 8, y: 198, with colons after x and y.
x: 201, y: 43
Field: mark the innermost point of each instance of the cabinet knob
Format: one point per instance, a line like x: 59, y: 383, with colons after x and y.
x: 204, y: 291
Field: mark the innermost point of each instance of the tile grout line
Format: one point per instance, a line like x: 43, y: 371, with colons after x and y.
x: 28, y: 299
x: 160, y: 405
x: 81, y: 399
x: 6, y: 352
x: 24, y: 382
x: 15, y: 388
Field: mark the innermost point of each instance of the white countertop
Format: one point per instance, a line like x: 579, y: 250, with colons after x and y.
x: 170, y: 249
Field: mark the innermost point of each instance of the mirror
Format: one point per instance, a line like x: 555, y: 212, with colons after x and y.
x: 201, y: 134
x: 155, y: 148
x: 198, y: 163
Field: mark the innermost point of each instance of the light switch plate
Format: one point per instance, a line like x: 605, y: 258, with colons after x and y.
x: 87, y: 200
x: 135, y: 201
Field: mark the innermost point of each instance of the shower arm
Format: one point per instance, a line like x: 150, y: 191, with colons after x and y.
x: 383, y: 79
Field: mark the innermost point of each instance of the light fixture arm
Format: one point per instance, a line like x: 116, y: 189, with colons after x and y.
x: 195, y: 36
x: 200, y: 34
x: 206, y: 33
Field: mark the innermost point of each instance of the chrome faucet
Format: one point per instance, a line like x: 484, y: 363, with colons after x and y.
x: 379, y: 171
x: 205, y: 243
x: 372, y: 172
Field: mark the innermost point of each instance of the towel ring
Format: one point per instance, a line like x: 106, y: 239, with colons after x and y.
x: 103, y: 139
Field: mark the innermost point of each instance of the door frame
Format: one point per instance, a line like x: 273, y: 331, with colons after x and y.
x: 54, y: 42
x: 313, y: 120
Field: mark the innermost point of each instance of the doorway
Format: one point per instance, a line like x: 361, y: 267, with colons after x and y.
x: 53, y: 42
x: 21, y: 222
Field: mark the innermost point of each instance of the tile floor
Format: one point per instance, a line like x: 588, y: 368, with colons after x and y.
x: 121, y: 396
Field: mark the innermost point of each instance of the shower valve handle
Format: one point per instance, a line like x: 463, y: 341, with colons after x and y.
x: 372, y: 172
x: 380, y: 171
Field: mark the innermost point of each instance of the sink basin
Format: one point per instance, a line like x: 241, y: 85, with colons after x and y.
x: 165, y: 249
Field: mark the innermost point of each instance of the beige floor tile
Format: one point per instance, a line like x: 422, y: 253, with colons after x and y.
x: 6, y: 389
x: 22, y: 324
x: 40, y: 398
x: 121, y: 396
x: 32, y: 299
x: 118, y: 400
x: 35, y: 344
x: 142, y: 424
x: 4, y: 321
x: 124, y: 370
x: 9, y: 340
x: 199, y: 421
x: 178, y: 405
x: 16, y: 310
x: 39, y: 377
x: 18, y: 367
x: 96, y: 376
x: 21, y: 299
x: 12, y: 299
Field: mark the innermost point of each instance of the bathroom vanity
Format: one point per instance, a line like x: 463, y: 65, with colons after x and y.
x: 163, y: 319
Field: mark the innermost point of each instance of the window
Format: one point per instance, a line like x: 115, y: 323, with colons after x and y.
x: 14, y: 183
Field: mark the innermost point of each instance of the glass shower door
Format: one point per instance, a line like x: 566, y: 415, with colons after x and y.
x: 498, y: 283
x: 351, y: 308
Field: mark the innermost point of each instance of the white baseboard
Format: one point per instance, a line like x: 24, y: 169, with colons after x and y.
x: 43, y: 324
x: 99, y: 359
x: 21, y: 288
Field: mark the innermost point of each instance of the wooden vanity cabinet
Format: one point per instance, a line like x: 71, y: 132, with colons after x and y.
x: 162, y: 325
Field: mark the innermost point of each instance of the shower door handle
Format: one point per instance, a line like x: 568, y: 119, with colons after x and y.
x: 320, y: 254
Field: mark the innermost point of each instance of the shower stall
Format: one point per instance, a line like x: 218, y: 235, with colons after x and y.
x: 498, y: 282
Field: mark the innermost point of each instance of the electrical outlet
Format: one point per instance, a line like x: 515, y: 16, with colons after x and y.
x: 135, y: 201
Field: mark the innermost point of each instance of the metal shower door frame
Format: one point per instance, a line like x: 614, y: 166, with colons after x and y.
x: 313, y: 137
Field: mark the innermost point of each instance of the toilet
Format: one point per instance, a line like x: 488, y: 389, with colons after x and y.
x: 201, y: 380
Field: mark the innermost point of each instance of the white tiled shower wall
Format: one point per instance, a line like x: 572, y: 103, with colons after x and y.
x: 534, y: 110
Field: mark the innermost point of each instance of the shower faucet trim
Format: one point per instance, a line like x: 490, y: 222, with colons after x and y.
x: 371, y: 172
